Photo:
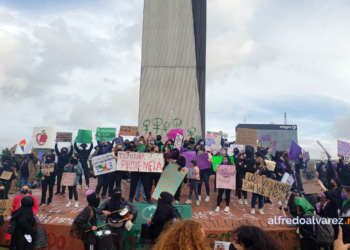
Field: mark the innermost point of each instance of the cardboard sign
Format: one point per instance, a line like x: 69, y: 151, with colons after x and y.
x: 68, y: 179
x: 128, y: 130
x: 64, y: 137
x: 47, y: 168
x: 309, y: 180
x: 170, y: 180
x: 6, y: 175
x: 5, y: 207
x: 325, y: 150
x: 247, y: 137
x: 306, y: 156
x: 84, y: 136
x: 222, y: 245
x: 213, y: 141
x: 270, y: 165
x: 104, y: 164
x: 24, y: 146
x: 172, y: 133
x: 140, y: 162
x: 105, y: 134
x: 44, y: 137
x: 343, y: 148
x: 265, y: 137
x: 225, y: 176
x: 265, y: 186
x: 190, y: 173
x: 178, y: 141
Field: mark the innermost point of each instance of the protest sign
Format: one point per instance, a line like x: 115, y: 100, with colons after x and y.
x: 225, y: 176
x: 222, y: 245
x: 178, y: 141
x: 47, y: 168
x: 6, y: 175
x: 343, y: 148
x: 140, y: 162
x: 119, y: 140
x: 104, y: 164
x: 64, y: 137
x: 323, y: 155
x: 309, y: 180
x: 217, y: 160
x: 105, y: 134
x: 306, y: 156
x: 287, y: 178
x: 5, y: 207
x: 241, y: 148
x: 270, y: 165
x: 13, y: 149
x: 44, y: 137
x: 190, y: 173
x: 170, y: 180
x: 213, y: 141
x: 265, y: 137
x: 203, y: 161
x: 265, y: 186
x: 24, y: 146
x: 128, y: 130
x: 84, y: 136
x: 189, y: 156
x: 247, y: 137
x: 325, y: 150
x: 68, y: 179
x: 274, y: 146
x: 172, y: 133
x: 225, y: 135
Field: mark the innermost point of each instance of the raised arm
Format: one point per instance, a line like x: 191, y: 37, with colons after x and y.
x: 90, y: 149
x: 76, y: 147
x: 57, y: 151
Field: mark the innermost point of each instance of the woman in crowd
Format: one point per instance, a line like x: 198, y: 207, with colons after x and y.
x: 345, y: 206
x: 299, y: 164
x: 48, y: 180
x: 330, y: 174
x: 343, y: 171
x: 83, y: 158
x: 63, y: 159
x: 225, y: 161
x: 194, y: 183
x: 241, y: 168
x: 183, y: 235
x: 74, y: 166
x: 178, y: 159
x: 321, y: 172
x: 154, y: 177
x: 27, y: 168
x: 258, y: 169
x: 204, y: 176
x: 23, y: 236
x: 117, y: 176
x: 250, y: 237
x: 25, y: 191
x: 7, y: 166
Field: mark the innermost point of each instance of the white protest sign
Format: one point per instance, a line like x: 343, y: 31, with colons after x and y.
x: 104, y: 164
x: 241, y: 148
x: 24, y: 146
x: 288, y: 179
x: 140, y: 162
x: 222, y: 245
x: 213, y: 141
x: 178, y: 141
x: 44, y: 137
x: 190, y: 173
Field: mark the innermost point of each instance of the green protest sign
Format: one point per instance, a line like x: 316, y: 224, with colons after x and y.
x: 217, y: 160
x: 84, y: 136
x: 105, y: 134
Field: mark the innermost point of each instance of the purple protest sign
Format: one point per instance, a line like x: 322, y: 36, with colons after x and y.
x: 202, y: 161
x: 295, y: 151
x: 274, y: 146
x: 265, y: 137
x: 189, y: 157
x: 343, y: 148
x: 172, y: 133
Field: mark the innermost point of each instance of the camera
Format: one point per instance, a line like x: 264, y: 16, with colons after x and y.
x: 284, y: 208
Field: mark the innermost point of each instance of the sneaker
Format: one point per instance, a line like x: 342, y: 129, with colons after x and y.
x: 197, y: 203
x: 177, y: 202
x: 76, y: 204
x: 260, y: 211
x: 130, y: 200
x: 150, y: 202
x: 57, y: 193
x: 217, y: 209
x: 69, y: 204
x: 42, y: 204
x: 268, y: 201
x: 87, y: 187
x: 245, y: 202
x: 207, y: 199
x: 227, y: 208
x: 48, y: 204
x: 240, y: 201
x: 199, y: 198
x: 188, y: 202
x: 62, y: 193
x: 279, y: 203
x: 252, y: 211
x: 79, y: 186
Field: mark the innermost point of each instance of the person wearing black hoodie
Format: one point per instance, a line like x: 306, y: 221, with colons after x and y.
x: 330, y: 173
x: 241, y: 168
x: 159, y: 142
x: 63, y: 159
x: 321, y: 172
x: 191, y: 143
x: 7, y: 166
x: 178, y: 159
x: 343, y: 172
x: 299, y: 164
x: 83, y: 158
x: 116, y: 203
x: 48, y: 179
x: 3, y: 196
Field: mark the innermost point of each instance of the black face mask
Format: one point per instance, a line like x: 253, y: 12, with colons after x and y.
x: 257, y: 164
x: 105, y: 146
x: 191, y: 141
x: 118, y: 150
x: 301, y: 159
x: 159, y: 138
x: 73, y: 161
x: 84, y: 146
x: 331, y: 185
x: 281, y: 161
x: 318, y: 199
x: 236, y: 152
x: 64, y: 151
x: 25, y: 191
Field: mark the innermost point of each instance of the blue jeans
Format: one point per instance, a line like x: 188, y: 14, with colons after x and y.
x: 24, y: 181
x: 137, y: 194
x: 204, y: 176
x: 260, y: 198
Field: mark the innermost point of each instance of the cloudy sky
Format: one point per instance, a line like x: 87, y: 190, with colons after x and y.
x: 76, y: 64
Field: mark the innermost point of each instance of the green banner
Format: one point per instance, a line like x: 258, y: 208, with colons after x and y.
x: 217, y: 160
x: 84, y: 136
x: 105, y: 134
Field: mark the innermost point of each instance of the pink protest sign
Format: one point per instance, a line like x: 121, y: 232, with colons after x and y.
x: 172, y: 133
x: 225, y: 176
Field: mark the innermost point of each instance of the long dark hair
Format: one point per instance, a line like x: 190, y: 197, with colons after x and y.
x: 254, y: 238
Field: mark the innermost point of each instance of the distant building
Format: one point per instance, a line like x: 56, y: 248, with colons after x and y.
x: 283, y: 134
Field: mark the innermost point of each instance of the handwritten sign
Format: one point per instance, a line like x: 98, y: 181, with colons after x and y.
x: 6, y: 175
x: 265, y: 137
x: 172, y: 133
x: 128, y: 130
x: 64, y: 136
x: 178, y: 141
x: 225, y: 176
x: 343, y: 148
x: 247, y: 136
x: 140, y: 162
x: 170, y: 180
x: 325, y: 150
x: 5, y: 207
x: 309, y: 180
x: 270, y: 165
x: 213, y: 141
x: 265, y: 186
x: 306, y: 156
x: 105, y: 134
x: 190, y: 173
x: 47, y: 168
x: 104, y: 164
x: 68, y: 179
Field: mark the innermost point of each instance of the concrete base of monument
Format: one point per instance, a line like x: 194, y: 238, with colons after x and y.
x: 218, y: 226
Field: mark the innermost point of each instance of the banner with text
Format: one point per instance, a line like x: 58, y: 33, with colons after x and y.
x: 105, y: 134
x: 47, y: 168
x: 140, y: 162
x: 178, y: 141
x: 104, y: 164
x: 128, y: 130
x: 309, y: 180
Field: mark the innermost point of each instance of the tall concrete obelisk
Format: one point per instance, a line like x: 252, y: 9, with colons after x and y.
x: 172, y: 89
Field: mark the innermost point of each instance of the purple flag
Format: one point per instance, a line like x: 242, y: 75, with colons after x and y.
x: 295, y: 151
x: 202, y: 161
x: 189, y: 157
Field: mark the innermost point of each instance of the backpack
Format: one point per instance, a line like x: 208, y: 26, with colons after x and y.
x: 324, y: 233
x: 77, y: 232
x: 176, y: 215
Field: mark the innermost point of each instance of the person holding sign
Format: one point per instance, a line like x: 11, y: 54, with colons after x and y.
x: 117, y: 176
x: 194, y: 183
x: 258, y: 169
x: 83, y: 158
x: 241, y: 168
x: 74, y: 166
x: 63, y: 159
x: 178, y: 159
x: 27, y: 169
x: 48, y: 172
x: 225, y: 161
x: 7, y: 175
